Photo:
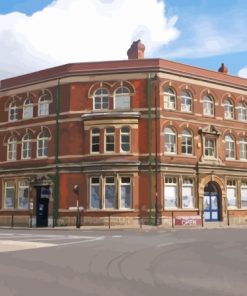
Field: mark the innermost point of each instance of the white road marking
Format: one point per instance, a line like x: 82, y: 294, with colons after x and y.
x: 81, y: 242
x: 117, y: 236
x: 11, y: 245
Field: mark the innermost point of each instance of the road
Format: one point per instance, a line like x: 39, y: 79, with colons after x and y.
x: 128, y: 262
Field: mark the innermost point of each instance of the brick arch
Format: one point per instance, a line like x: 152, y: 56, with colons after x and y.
x: 228, y: 96
x: 169, y: 84
x: 212, y: 178
x: 125, y: 83
x: 97, y: 85
x: 188, y: 88
x: 208, y: 92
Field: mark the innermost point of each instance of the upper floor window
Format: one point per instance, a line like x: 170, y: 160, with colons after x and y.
x: 242, y: 112
x: 110, y: 139
x: 28, y: 108
x: 101, y: 99
x: 43, y: 108
x: 26, y: 147
x: 125, y: 139
x: 186, y: 102
x: 210, y: 148
x: 230, y: 147
x: 13, y: 111
x: 169, y: 99
x: 170, y: 141
x: 42, y: 144
x: 228, y: 109
x: 208, y: 106
x: 122, y: 98
x: 12, y: 148
x: 243, y: 148
x: 187, y: 142
x: 95, y: 140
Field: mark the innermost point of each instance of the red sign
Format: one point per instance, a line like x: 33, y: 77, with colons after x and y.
x: 188, y: 220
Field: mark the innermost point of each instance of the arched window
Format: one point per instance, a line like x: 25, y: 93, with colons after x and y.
x: 208, y: 106
x: 28, y: 108
x: 243, y: 148
x: 101, y: 99
x: 12, y: 148
x: 125, y: 139
x: 42, y: 144
x: 186, y: 102
x: 13, y: 111
x: 187, y: 142
x: 43, y: 107
x: 95, y: 140
x: 26, y: 147
x: 110, y: 139
x: 242, y: 114
x: 228, y: 109
x: 170, y: 141
x: 169, y: 98
x: 122, y: 98
x: 230, y: 147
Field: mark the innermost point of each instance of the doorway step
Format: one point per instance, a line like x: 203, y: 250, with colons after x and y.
x: 216, y: 224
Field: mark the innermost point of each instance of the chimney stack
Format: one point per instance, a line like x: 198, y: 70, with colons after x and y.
x: 136, y: 51
x: 223, y: 69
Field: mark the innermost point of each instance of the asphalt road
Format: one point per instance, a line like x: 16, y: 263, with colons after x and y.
x: 128, y: 262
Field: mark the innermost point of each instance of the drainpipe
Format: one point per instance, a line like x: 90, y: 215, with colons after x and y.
x: 157, y: 135
x: 149, y: 150
x: 56, y: 154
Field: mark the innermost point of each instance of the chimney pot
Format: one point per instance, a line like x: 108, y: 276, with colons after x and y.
x: 223, y: 69
x: 136, y: 51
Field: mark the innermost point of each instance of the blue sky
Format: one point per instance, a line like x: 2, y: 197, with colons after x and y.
x: 37, y: 34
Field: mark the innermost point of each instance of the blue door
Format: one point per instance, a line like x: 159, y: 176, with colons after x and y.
x: 211, y: 206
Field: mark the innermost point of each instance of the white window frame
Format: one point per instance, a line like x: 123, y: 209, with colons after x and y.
x: 27, y: 109
x: 26, y: 147
x: 13, y: 111
x: 122, y: 94
x: 243, y: 148
x: 125, y: 139
x: 23, y: 186
x: 230, y: 147
x: 43, y: 105
x: 208, y: 106
x: 228, y: 109
x: 12, y: 148
x: 242, y: 112
x: 95, y: 135
x: 186, y: 101
x: 231, y: 185
x: 209, y: 148
x: 170, y: 141
x: 95, y: 185
x: 186, y: 138
x: 188, y: 183
x: 171, y: 182
x: 170, y: 99
x: 43, y: 139
x: 101, y: 99
x: 108, y: 184
x: 109, y: 139
x: 243, y: 187
x: 123, y: 183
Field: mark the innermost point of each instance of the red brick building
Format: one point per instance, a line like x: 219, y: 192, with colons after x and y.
x: 140, y: 137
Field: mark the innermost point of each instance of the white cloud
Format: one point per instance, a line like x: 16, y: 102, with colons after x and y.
x: 77, y: 31
x: 243, y: 72
x: 207, y: 35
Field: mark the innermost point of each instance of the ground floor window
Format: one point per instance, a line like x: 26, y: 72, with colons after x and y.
x: 110, y: 192
x: 178, y: 193
x: 244, y: 194
x: 16, y: 194
x: 231, y: 192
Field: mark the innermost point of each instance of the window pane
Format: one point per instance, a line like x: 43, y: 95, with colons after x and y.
x: 125, y: 194
x: 95, y: 193
x: 9, y: 195
x: 170, y: 196
x: 231, y: 197
x: 23, y: 195
x: 110, y: 196
x: 122, y: 102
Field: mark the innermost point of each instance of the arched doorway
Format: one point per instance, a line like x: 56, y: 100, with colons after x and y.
x: 211, y: 202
